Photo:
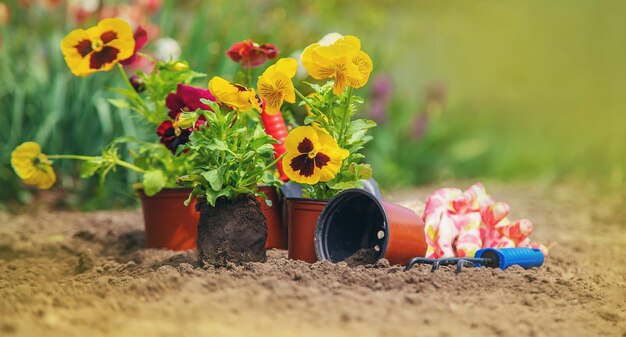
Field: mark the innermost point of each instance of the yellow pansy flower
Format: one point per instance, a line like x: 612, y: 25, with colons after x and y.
x: 32, y: 166
x: 275, y: 84
x: 98, y: 48
x: 312, y: 156
x: 341, y: 58
x: 234, y: 95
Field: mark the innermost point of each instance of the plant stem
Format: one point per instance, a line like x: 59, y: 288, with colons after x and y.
x: 246, y: 181
x: 148, y: 56
x: 306, y: 100
x: 137, y: 100
x: 345, y: 119
x: 69, y: 156
x: 249, y: 75
x: 130, y: 166
x: 88, y: 158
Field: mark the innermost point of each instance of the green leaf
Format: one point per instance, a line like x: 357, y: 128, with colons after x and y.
x: 213, y: 105
x: 90, y: 167
x: 343, y: 185
x: 217, y: 145
x: 364, y: 171
x: 214, y: 177
x: 310, y: 119
x: 119, y: 103
x: 212, y: 196
x: 153, y: 182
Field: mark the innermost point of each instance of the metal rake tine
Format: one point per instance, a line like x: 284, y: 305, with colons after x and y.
x: 463, y: 263
x: 435, y: 266
x: 417, y: 260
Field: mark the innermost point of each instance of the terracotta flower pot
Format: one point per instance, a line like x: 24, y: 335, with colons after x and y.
x: 168, y: 222
x: 171, y: 225
x: 232, y: 231
x: 302, y: 215
x: 354, y: 222
x: 276, y: 233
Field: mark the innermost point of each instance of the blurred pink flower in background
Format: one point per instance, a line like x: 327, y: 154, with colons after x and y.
x: 380, y: 96
x: 149, y: 5
x: 418, y: 129
x: 434, y: 102
x: 81, y: 10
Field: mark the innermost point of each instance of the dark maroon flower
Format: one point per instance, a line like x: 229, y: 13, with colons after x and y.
x: 141, y: 38
x: 187, y: 98
x: 171, y: 136
x: 251, y: 54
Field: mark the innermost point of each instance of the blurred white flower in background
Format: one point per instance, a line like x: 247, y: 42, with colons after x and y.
x: 167, y: 49
x: 88, y: 6
x: 300, y: 72
x: 329, y: 39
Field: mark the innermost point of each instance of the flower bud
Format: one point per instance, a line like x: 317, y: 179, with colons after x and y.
x: 180, y: 66
x: 138, y: 83
x: 186, y: 120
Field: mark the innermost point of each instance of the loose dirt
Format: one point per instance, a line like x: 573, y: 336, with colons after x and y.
x: 87, y: 274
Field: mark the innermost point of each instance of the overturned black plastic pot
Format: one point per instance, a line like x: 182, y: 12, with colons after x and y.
x: 358, y: 228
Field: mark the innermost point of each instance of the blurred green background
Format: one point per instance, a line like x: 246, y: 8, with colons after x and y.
x: 499, y: 90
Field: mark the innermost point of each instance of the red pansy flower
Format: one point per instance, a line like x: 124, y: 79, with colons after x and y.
x: 251, y: 54
x: 187, y: 98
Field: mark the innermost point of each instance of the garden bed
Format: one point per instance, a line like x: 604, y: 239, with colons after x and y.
x: 78, y: 274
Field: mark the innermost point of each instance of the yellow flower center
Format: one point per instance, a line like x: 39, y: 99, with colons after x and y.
x: 97, y: 45
x: 312, y: 154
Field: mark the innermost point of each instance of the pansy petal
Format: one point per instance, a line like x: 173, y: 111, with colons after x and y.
x: 191, y: 97
x: 295, y: 138
x: 329, y: 166
x: 350, y: 40
x: 293, y: 165
x: 361, y: 71
x: 124, y: 41
x: 288, y: 66
x: 75, y: 47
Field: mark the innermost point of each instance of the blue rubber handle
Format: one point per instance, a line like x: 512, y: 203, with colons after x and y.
x: 505, y: 257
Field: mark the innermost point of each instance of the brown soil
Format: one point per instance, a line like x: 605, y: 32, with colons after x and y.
x: 76, y: 274
x: 231, y: 232
x: 363, y: 256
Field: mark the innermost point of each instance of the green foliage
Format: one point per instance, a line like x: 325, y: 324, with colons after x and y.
x: 154, y: 181
x: 334, y: 115
x: 521, y: 105
x: 163, y: 80
x: 228, y: 158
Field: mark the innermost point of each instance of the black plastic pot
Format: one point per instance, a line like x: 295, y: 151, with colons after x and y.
x: 355, y: 221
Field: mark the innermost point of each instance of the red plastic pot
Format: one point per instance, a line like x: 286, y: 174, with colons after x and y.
x: 276, y: 233
x: 168, y: 222
x: 172, y: 225
x: 302, y: 215
x: 354, y: 219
